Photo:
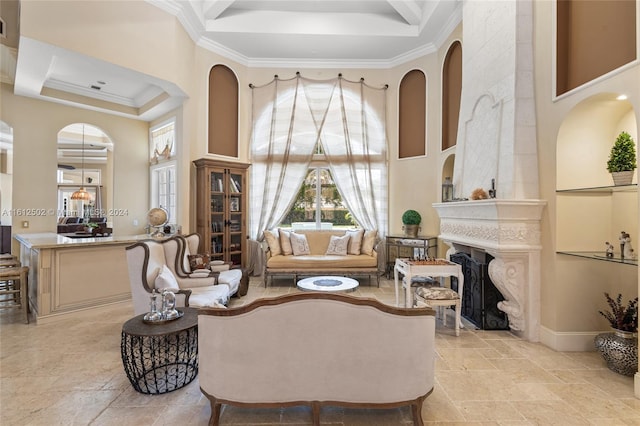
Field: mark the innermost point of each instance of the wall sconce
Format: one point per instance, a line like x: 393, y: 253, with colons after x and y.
x: 447, y: 190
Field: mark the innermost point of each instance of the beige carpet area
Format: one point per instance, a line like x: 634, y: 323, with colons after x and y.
x: 71, y: 373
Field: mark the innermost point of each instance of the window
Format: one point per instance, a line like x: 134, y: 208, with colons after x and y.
x: 164, y: 169
x: 162, y: 142
x: 163, y: 189
x: 319, y: 204
x: 327, y: 136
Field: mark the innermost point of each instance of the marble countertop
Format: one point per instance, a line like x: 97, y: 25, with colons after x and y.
x: 53, y: 240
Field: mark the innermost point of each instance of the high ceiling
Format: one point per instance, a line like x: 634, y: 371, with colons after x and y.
x: 347, y: 33
x: 274, y: 33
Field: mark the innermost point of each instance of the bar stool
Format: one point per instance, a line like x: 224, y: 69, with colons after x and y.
x: 16, y: 286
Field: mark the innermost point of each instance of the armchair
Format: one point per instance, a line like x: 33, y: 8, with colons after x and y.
x: 191, y: 242
x: 146, y: 259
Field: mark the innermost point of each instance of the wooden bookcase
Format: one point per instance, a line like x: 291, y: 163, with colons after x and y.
x: 221, y: 209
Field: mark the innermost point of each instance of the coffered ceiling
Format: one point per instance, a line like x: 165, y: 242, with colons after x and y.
x: 278, y: 33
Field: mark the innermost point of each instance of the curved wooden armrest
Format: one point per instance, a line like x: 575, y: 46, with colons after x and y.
x: 214, y: 274
x: 187, y: 294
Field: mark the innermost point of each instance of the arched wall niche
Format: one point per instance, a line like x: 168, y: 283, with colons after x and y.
x: 447, y: 167
x: 586, y: 219
x: 451, y: 94
x: 223, y: 112
x: 412, y: 111
x: 586, y: 137
x: 96, y: 157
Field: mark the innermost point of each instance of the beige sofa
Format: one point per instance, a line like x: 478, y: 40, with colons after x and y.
x: 317, y: 262
x: 340, y: 351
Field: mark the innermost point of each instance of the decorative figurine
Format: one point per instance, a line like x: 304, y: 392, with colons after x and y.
x: 609, y: 251
x: 169, y: 310
x: 622, y: 243
x: 628, y: 249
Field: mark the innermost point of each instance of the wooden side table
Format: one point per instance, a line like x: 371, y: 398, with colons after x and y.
x: 160, y: 358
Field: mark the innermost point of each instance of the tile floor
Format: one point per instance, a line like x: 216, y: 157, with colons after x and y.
x: 70, y: 373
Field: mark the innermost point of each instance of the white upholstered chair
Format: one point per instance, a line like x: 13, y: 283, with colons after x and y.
x: 191, y: 243
x: 145, y: 261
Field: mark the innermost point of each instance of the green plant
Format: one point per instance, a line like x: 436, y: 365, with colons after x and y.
x: 411, y: 217
x: 623, y: 154
x: 622, y: 317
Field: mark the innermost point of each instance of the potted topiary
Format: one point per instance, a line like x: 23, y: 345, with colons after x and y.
x: 622, y: 159
x: 620, y: 347
x: 411, y: 220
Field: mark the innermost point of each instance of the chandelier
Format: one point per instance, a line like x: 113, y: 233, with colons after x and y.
x: 81, y: 194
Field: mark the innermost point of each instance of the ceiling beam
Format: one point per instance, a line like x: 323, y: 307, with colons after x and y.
x: 408, y: 9
x: 211, y: 9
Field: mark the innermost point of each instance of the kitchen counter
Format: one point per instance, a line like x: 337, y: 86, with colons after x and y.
x: 68, y: 276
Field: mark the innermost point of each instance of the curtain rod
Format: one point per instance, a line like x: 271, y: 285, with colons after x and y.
x: 276, y: 77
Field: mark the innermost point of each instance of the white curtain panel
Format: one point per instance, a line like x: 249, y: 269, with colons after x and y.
x: 290, y: 119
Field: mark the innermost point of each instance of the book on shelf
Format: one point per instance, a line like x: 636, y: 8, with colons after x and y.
x: 234, y: 186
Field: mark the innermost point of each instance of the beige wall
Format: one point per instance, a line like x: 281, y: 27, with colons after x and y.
x: 36, y: 125
x: 572, y: 288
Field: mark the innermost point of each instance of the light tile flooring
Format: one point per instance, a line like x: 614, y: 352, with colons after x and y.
x: 70, y: 373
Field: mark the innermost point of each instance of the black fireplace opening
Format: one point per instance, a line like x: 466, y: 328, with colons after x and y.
x: 480, y: 296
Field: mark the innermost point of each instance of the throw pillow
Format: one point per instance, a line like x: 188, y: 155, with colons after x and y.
x: 355, y: 241
x: 368, y: 242
x: 198, y: 261
x: 166, y: 279
x: 285, y: 242
x: 273, y: 240
x: 299, y: 244
x: 338, y: 245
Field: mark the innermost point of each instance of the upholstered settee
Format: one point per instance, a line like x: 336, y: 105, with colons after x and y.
x: 159, y: 264
x: 321, y: 252
x: 340, y: 351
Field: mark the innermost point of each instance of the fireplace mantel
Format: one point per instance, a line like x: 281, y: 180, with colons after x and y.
x: 509, y: 230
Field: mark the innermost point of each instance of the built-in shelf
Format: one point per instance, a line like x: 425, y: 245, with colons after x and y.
x: 599, y: 255
x: 603, y: 189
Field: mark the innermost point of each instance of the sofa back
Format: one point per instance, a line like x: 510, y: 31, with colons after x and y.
x: 339, y: 348
x: 319, y: 239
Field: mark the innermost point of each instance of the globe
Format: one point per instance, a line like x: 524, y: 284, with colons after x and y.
x: 157, y: 218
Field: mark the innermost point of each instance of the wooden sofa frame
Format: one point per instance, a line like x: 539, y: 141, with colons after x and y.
x: 316, y: 349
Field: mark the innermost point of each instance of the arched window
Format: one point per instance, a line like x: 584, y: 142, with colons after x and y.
x: 223, y: 112
x: 451, y: 91
x: 412, y: 118
x: 318, y: 151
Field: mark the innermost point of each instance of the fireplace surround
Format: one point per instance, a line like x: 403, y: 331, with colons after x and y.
x: 508, y: 231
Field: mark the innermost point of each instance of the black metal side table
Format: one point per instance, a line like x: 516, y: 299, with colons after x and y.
x: 160, y: 358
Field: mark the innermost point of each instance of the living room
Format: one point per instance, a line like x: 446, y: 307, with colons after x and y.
x: 569, y: 288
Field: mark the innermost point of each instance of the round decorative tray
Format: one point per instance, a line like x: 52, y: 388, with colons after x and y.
x: 164, y: 321
x: 327, y: 282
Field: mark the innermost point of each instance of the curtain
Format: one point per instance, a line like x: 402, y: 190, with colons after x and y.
x: 291, y: 119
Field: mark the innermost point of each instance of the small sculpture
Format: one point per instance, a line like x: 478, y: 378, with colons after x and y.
x: 628, y: 249
x: 609, y: 251
x: 169, y: 310
x: 621, y: 238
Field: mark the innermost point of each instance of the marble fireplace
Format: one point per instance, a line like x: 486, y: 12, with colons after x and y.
x: 497, y: 142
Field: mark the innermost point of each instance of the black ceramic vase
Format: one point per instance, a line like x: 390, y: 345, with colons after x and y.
x: 620, y: 350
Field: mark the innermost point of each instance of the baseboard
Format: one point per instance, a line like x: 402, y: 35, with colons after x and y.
x: 568, y: 341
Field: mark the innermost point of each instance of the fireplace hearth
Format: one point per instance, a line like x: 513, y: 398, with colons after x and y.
x: 480, y: 297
